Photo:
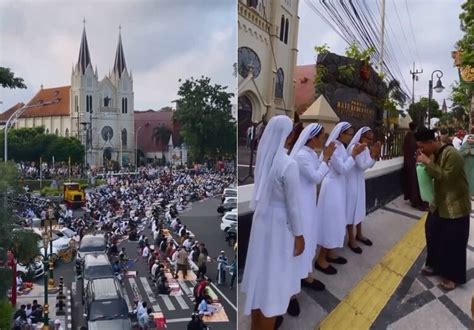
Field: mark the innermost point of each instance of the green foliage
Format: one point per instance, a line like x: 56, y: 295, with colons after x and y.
x: 418, y: 110
x: 466, y: 44
x: 6, y: 314
x: 323, y: 49
x: 22, y: 243
x: 353, y: 51
x: 346, y: 72
x: 461, y: 95
x: 29, y: 144
x: 8, y: 79
x: 204, y: 111
x: 161, y: 133
x: 48, y: 191
x: 320, y: 78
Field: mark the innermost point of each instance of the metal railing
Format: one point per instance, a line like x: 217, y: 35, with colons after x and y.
x: 392, y: 143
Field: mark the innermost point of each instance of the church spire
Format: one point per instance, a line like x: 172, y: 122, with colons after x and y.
x: 119, y: 64
x: 84, y: 56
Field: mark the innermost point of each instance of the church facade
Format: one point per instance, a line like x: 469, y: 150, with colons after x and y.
x: 100, y: 113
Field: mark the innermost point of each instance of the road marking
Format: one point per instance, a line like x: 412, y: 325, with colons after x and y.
x: 223, y: 296
x: 181, y: 302
x: 73, y: 288
x: 150, y: 294
x: 184, y: 287
x: 184, y: 319
x: 136, y: 292
x: 127, y: 300
x: 168, y: 302
x: 363, y: 304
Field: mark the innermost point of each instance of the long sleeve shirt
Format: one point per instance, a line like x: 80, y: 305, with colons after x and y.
x: 451, y: 189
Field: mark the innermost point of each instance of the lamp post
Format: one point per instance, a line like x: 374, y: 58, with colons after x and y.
x: 45, y: 263
x: 51, y: 284
x: 136, y: 147
x: 438, y: 88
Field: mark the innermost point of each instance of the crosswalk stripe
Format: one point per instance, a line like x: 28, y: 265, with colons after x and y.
x: 150, y: 294
x: 127, y: 300
x: 168, y: 302
x: 184, y: 287
x: 136, y: 292
x: 181, y: 302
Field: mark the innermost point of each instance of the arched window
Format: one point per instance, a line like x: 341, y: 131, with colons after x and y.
x: 282, y: 27
x: 66, y: 132
x: 126, y: 104
x: 252, y: 3
x: 280, y: 78
x: 124, y: 137
x: 88, y: 103
x: 56, y: 132
x: 286, y: 31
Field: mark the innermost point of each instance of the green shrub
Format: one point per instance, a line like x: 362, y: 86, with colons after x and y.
x: 6, y: 314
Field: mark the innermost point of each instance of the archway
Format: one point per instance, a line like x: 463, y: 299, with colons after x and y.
x: 107, y: 155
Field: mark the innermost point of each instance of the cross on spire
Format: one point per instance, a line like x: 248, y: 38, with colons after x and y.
x: 84, y: 22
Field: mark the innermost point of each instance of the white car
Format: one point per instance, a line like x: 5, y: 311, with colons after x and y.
x: 60, y: 239
x: 229, y: 192
x: 36, y: 266
x: 228, y: 219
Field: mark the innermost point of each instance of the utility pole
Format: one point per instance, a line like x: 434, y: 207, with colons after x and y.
x: 414, y: 76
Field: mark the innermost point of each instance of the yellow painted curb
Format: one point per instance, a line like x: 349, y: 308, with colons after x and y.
x: 360, y: 308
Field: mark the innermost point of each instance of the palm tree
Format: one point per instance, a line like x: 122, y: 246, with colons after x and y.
x: 161, y: 133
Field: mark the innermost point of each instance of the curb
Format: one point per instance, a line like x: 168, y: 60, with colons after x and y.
x: 68, y: 324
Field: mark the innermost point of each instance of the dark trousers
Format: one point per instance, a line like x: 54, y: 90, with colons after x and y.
x: 446, y: 244
x: 202, y: 271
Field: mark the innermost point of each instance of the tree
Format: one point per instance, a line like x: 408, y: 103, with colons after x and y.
x: 161, y: 133
x: 23, y: 243
x: 418, y: 110
x: 8, y: 79
x: 29, y: 144
x: 204, y: 112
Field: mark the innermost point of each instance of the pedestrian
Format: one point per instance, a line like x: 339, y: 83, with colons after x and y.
x: 312, y: 171
x: 467, y: 151
x: 332, y: 199
x: 411, y: 189
x: 356, y: 211
x: 221, y: 268
x: 57, y: 325
x: 276, y: 237
x: 447, y: 224
x: 233, y: 273
x: 202, y: 263
x: 182, y: 263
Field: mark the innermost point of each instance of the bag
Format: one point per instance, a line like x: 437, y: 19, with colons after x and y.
x: 425, y: 182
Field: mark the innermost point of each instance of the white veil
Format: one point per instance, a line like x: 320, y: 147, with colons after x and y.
x: 357, y: 136
x: 340, y: 127
x: 309, y: 132
x: 272, y: 141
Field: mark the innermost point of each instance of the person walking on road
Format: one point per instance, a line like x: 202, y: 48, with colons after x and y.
x: 182, y: 262
x: 221, y: 268
x: 447, y: 224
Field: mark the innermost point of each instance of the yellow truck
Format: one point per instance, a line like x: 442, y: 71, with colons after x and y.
x: 73, y: 195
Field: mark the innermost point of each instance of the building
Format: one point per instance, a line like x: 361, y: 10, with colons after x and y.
x: 98, y: 112
x: 268, y: 38
x: 158, y: 137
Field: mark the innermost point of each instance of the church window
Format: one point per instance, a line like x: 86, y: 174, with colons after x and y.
x: 126, y: 105
x: 56, y: 132
x: 282, y: 27
x: 124, y: 137
x: 66, y: 132
x: 107, y: 101
x: 76, y: 105
x: 279, y: 83
x: 252, y: 3
x: 88, y: 103
x: 47, y: 131
x: 286, y: 31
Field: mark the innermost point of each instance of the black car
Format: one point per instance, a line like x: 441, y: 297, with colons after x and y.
x: 231, y: 234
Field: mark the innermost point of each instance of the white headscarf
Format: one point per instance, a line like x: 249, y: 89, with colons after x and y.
x: 272, y: 141
x: 308, y: 133
x: 358, y: 135
x: 341, y: 127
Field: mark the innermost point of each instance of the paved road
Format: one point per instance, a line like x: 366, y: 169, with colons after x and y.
x: 203, y: 220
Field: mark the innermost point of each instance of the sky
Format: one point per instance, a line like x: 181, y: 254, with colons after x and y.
x: 163, y: 41
x: 436, y: 28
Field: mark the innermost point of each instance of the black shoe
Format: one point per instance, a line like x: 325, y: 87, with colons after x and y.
x: 278, y: 322
x: 338, y: 260
x: 293, y: 307
x: 315, y: 285
x: 365, y: 241
x: 357, y: 249
x: 330, y: 270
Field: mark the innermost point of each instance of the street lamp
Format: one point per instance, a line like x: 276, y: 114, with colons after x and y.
x: 438, y: 88
x: 51, y: 284
x: 136, y: 147
x: 45, y: 263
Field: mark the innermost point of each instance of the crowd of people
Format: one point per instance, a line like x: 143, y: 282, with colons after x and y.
x: 306, y: 204
x: 29, y: 315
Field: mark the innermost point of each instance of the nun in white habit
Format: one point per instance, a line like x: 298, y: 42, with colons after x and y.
x: 276, y: 237
x: 332, y: 199
x: 356, y: 186
x: 312, y: 171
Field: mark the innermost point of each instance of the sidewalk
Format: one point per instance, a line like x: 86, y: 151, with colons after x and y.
x: 382, y: 287
x: 38, y: 294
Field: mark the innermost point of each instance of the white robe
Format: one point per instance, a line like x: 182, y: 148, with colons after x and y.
x: 356, y: 187
x: 269, y: 278
x: 332, y: 199
x: 312, y: 172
